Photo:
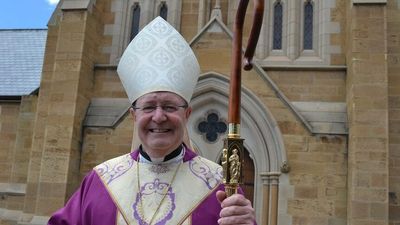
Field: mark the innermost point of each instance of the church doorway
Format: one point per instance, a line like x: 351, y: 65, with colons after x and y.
x: 207, y: 128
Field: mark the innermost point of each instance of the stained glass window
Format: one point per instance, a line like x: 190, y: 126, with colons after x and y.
x: 278, y: 14
x: 308, y: 25
x: 135, y: 20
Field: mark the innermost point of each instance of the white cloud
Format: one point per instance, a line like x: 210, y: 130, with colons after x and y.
x: 53, y: 2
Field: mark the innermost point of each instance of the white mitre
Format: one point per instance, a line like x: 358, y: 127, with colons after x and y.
x: 158, y: 59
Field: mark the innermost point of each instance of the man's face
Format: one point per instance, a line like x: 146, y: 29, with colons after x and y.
x: 160, y: 118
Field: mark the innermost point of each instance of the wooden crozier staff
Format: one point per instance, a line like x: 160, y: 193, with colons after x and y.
x: 232, y: 154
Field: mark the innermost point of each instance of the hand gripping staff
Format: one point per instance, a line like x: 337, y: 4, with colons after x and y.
x: 232, y: 154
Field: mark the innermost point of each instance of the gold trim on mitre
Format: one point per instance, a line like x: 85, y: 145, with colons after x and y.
x: 158, y: 59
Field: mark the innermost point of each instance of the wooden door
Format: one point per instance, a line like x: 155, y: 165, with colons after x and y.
x: 248, y: 176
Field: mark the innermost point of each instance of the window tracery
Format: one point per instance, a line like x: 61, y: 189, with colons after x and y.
x: 296, y: 32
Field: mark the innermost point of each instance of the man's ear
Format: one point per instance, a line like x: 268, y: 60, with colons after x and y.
x: 132, y: 112
x: 188, y: 112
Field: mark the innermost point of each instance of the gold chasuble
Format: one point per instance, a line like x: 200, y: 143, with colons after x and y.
x: 165, y: 193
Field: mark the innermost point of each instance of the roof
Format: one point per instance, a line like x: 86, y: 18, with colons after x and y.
x: 21, y: 60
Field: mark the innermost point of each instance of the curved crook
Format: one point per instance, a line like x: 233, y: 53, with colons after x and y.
x: 236, y: 66
x: 254, y: 34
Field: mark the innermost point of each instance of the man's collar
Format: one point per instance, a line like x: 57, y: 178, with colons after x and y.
x: 168, y: 157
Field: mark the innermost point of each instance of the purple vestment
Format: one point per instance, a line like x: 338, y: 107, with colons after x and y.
x: 92, y: 204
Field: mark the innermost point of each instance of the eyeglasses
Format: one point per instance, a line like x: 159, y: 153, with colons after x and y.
x: 170, y: 108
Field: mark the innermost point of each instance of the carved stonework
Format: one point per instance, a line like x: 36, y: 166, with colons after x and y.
x: 285, y: 168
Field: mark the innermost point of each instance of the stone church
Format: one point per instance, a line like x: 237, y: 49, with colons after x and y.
x: 320, y: 110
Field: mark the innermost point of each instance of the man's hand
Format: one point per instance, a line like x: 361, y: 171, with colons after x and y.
x: 235, y: 210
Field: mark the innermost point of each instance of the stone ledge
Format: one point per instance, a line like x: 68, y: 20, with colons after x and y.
x: 75, y: 4
x: 369, y: 1
x: 13, y: 189
x: 106, y: 112
x: 35, y: 220
x: 11, y: 215
x: 21, y: 218
x: 268, y: 66
x: 324, y: 117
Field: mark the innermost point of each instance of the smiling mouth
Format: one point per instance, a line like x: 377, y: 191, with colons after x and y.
x: 159, y: 130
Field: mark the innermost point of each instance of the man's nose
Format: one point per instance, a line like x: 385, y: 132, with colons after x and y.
x: 159, y: 115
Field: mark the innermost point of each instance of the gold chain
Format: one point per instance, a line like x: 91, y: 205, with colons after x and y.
x: 164, y: 195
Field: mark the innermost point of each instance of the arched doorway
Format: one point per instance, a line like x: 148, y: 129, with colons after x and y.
x: 263, y: 141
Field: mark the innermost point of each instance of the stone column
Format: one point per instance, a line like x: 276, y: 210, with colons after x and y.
x: 367, y: 101
x: 63, y: 100
x: 393, y: 12
x: 270, y: 198
x: 42, y: 107
x: 274, y: 186
x: 265, y: 197
x: 23, y: 141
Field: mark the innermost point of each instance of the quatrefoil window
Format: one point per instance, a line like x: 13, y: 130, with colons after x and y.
x: 212, y: 127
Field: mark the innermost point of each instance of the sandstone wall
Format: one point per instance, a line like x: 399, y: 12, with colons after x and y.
x: 393, y: 61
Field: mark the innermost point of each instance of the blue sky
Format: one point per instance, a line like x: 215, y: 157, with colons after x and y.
x: 21, y: 14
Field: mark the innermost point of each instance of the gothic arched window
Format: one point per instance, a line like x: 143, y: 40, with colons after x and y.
x: 308, y: 26
x: 278, y: 23
x: 135, y: 20
x: 164, y: 10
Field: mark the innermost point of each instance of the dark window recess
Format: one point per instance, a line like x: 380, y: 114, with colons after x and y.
x: 308, y: 25
x: 164, y: 10
x: 135, y: 20
x: 278, y: 23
